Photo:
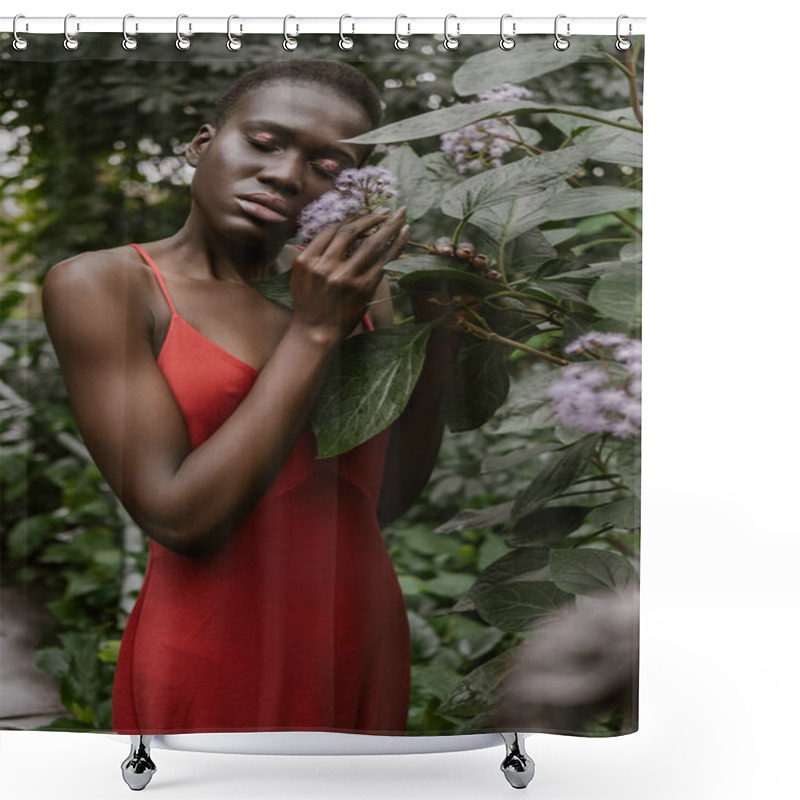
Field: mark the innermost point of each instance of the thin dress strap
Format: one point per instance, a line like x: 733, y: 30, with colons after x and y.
x: 159, y: 276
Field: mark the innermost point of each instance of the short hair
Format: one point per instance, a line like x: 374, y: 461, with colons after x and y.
x: 347, y: 81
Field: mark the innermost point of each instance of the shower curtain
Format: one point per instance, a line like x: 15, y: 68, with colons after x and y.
x: 503, y: 595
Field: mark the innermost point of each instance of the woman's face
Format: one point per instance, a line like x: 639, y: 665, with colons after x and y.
x: 278, y: 150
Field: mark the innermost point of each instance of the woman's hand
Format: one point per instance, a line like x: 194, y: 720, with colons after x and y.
x: 333, y: 280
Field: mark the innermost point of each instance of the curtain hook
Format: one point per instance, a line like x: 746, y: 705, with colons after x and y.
x: 506, y: 41
x: 70, y: 42
x: 560, y: 43
x: 346, y: 42
x: 233, y: 44
x: 182, y: 43
x: 288, y: 42
x: 129, y: 42
x: 623, y: 43
x: 451, y: 42
x: 19, y: 43
x: 400, y: 42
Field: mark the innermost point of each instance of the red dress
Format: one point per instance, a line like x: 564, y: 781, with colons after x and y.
x: 298, y: 623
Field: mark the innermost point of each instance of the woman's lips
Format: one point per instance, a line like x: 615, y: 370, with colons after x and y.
x: 264, y: 207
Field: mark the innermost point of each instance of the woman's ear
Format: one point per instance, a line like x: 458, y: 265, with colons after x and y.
x: 199, y: 143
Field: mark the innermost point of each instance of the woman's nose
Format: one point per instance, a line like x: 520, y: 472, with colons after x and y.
x: 284, y: 170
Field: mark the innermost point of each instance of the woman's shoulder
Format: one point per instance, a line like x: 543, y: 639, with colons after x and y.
x: 99, y: 273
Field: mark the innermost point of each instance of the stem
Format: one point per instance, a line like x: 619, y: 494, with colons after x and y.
x: 491, y: 336
x: 590, y: 536
x: 618, y: 544
x: 617, y: 63
x: 632, y: 88
x: 627, y: 222
x: 590, y: 491
x: 459, y: 231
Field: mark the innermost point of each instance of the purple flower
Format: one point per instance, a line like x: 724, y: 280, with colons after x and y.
x: 353, y: 189
x: 603, y: 396
x: 485, y: 143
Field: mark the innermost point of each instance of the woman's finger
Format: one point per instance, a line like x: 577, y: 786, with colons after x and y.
x: 371, y: 251
x: 351, y: 230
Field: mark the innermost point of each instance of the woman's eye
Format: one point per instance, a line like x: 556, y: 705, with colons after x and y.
x: 329, y: 167
x: 263, y: 142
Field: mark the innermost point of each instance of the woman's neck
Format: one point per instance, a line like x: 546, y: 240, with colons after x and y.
x: 205, y: 254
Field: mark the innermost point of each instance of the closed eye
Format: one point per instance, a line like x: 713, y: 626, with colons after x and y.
x: 264, y: 141
x: 328, y: 167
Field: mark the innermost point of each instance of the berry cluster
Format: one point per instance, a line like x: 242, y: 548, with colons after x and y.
x: 465, y: 253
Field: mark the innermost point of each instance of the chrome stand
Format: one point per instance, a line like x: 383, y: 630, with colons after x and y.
x: 517, y: 766
x: 138, y: 768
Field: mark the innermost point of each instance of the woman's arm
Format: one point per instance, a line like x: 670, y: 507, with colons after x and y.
x: 191, y: 500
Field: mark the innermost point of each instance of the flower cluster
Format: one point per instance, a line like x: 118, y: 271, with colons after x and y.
x: 353, y: 189
x: 604, y: 396
x: 484, y: 143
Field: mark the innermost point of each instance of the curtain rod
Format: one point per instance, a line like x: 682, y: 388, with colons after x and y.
x: 298, y: 25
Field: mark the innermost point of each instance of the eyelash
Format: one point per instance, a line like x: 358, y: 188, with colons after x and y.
x: 269, y: 146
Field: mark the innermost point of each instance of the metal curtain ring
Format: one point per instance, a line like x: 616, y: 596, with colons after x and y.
x: 622, y: 43
x: 233, y: 44
x: 70, y: 42
x: 506, y: 42
x: 19, y: 43
x: 400, y: 42
x: 559, y: 42
x: 182, y: 43
x: 288, y: 42
x: 345, y: 42
x: 451, y: 42
x: 129, y: 42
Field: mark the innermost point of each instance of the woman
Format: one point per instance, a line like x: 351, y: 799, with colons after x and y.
x: 270, y: 602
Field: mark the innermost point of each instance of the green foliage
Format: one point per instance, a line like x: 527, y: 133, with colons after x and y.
x: 521, y: 516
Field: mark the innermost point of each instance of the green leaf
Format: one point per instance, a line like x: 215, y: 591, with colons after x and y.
x: 590, y: 571
x: 53, y: 661
x: 523, y: 564
x: 437, y: 122
x: 477, y: 692
x: 556, y: 476
x: 591, y: 200
x: 619, y: 295
x: 472, y: 518
x: 528, y: 250
x: 626, y: 149
x: 531, y: 177
x: 516, y: 606
x: 450, y: 584
x: 629, y: 464
x: 547, y: 526
x: 479, y: 386
x: 28, y: 535
x: 276, y: 288
x: 422, y: 540
x: 369, y: 386
x: 432, y: 681
x: 623, y: 514
x: 424, y: 640
x: 415, y: 187
x: 495, y: 67
x: 506, y: 221
x: 426, y: 277
x: 109, y: 652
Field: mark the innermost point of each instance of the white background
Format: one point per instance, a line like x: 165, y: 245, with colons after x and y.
x: 721, y: 606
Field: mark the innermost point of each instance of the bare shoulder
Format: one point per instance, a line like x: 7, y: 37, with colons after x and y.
x: 97, y: 275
